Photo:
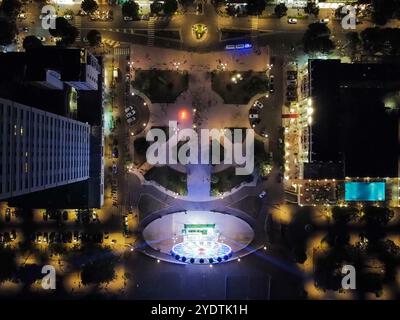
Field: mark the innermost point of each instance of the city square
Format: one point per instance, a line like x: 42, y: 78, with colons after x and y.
x: 90, y: 189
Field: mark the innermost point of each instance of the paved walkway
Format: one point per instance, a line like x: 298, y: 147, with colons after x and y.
x: 198, y: 182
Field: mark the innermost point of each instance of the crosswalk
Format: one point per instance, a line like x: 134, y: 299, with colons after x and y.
x: 122, y: 51
x: 150, y: 31
x: 119, y: 30
x: 77, y: 23
x: 254, y: 31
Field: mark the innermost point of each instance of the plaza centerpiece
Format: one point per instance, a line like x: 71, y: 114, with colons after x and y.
x: 199, y: 31
x: 198, y: 237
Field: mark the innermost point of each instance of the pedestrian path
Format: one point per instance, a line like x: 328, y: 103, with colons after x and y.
x: 77, y: 22
x: 254, y: 31
x: 150, y: 31
x: 122, y: 51
x: 199, y: 181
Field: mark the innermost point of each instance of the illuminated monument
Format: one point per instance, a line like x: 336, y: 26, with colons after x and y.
x: 197, y: 237
x: 201, y: 245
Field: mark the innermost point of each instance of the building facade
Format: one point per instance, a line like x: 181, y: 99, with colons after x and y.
x: 40, y: 150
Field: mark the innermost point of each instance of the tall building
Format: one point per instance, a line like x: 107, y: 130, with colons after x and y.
x: 52, y: 67
x: 40, y: 150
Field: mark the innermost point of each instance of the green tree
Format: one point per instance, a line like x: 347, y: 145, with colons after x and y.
x: 231, y: 10
x: 31, y: 42
x: 156, y: 7
x: 94, y: 38
x: 382, y: 11
x: 65, y: 30
x: 354, y: 42
x: 8, y: 31
x: 130, y: 9
x: 378, y: 216
x: 11, y: 8
x: 343, y: 215
x: 89, y: 6
x: 255, y: 7
x: 280, y: 10
x: 8, y: 265
x: 317, y: 39
x: 186, y: 3
x: 29, y: 273
x: 311, y: 8
x: 170, y: 7
x: 99, y: 271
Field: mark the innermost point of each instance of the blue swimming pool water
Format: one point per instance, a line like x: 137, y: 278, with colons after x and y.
x: 364, y: 191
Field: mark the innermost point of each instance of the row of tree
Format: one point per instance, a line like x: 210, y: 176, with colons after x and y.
x: 9, y: 9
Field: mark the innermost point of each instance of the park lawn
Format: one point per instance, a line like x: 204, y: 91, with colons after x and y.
x: 161, y: 86
x: 168, y: 178
x: 226, y: 180
x: 242, y: 91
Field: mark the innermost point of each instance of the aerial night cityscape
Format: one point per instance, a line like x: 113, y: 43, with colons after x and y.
x: 199, y: 150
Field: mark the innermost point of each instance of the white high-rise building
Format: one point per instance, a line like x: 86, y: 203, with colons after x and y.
x: 40, y: 150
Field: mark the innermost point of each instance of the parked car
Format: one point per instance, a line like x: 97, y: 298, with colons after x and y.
x: 262, y: 194
x: 76, y: 236
x: 324, y: 21
x: 292, y: 21
x: 8, y: 215
x: 258, y: 104
x: 115, y: 153
x: 128, y: 18
x: 253, y: 116
x: 129, y: 115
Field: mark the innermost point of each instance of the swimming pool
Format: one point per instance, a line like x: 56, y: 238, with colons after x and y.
x: 364, y: 191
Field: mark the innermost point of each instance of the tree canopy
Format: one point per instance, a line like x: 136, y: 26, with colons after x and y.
x: 94, y: 38
x: 130, y: 9
x: 11, y: 8
x: 89, y: 6
x: 31, y: 42
x: 65, y: 30
x: 8, y: 31
x: 170, y: 7
x: 255, y: 7
x: 317, y: 39
x: 280, y: 10
x: 311, y: 8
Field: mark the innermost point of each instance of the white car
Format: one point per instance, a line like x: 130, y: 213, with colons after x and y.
x: 68, y: 17
x: 253, y: 116
x: 127, y: 109
x: 130, y: 120
x: 258, y: 104
x: 130, y: 114
x: 324, y: 21
x: 262, y: 194
x: 128, y: 18
x: 292, y: 21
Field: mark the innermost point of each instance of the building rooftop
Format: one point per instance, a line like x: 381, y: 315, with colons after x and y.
x: 352, y: 121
